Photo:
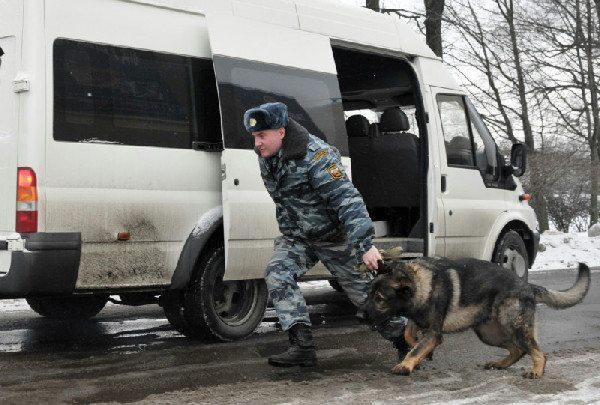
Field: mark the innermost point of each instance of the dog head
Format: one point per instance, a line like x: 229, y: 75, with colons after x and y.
x: 391, y: 294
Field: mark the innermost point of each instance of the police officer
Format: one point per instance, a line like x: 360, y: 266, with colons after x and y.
x: 321, y: 216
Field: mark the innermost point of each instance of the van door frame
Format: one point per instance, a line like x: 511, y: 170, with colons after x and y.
x: 462, y: 204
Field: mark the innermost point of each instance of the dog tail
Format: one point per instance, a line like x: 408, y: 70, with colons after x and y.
x: 565, y: 298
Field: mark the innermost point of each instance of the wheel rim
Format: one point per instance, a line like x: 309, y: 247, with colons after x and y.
x: 233, y: 301
x: 513, y: 260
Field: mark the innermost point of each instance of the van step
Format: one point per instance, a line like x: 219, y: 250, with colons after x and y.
x: 413, y: 247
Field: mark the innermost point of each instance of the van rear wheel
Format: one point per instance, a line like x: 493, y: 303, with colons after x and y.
x: 511, y: 253
x: 216, y: 309
x: 172, y: 302
x: 82, y: 307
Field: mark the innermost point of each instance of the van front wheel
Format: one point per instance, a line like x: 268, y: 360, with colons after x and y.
x: 511, y: 253
x: 218, y: 309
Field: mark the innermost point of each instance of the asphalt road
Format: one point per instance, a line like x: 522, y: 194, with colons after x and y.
x: 131, y: 355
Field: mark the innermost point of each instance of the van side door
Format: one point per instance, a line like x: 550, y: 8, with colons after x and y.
x: 291, y: 66
x: 470, y: 175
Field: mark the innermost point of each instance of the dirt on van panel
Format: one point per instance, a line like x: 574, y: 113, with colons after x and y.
x: 123, y: 264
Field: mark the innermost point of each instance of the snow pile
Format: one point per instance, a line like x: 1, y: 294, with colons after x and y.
x: 565, y: 250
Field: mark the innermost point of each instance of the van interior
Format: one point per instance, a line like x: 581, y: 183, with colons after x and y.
x: 381, y: 105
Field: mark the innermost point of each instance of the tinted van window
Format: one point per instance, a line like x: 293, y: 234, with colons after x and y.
x: 313, y: 99
x: 109, y: 94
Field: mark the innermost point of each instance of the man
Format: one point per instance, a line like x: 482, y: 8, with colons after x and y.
x: 321, y: 216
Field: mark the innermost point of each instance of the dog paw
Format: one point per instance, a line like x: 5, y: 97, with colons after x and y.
x: 401, y: 370
x: 492, y: 365
x: 532, y: 375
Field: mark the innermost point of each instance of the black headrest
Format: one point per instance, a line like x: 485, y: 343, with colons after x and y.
x: 393, y: 119
x: 460, y: 142
x: 357, y: 125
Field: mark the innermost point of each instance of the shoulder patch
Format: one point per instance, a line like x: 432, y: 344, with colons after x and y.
x: 335, y: 172
x: 320, y: 154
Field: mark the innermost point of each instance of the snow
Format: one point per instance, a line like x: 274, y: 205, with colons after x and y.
x: 565, y: 250
x: 207, y: 221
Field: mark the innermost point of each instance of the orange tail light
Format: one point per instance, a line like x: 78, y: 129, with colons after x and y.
x: 27, y: 201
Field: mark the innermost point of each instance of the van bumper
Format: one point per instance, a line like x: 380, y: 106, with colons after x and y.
x: 40, y: 264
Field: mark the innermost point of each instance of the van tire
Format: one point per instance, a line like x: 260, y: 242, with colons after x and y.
x: 172, y: 302
x: 72, y: 307
x: 511, y: 253
x: 222, y: 310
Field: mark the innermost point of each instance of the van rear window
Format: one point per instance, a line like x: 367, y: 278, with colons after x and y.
x: 109, y: 94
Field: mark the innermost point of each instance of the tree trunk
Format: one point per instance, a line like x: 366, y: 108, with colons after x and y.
x: 538, y: 202
x: 507, y: 10
x: 538, y: 185
x: 433, y: 25
x: 594, y: 192
x: 373, y: 5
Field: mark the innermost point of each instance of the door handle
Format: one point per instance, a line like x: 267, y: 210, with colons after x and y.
x: 443, y: 183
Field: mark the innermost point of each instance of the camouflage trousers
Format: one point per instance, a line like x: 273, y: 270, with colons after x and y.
x: 292, y: 259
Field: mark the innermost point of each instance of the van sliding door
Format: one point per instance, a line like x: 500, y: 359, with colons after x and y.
x: 256, y: 63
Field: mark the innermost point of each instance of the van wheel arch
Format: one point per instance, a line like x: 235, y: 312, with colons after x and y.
x: 211, y: 224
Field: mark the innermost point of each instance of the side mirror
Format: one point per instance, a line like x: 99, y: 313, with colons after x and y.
x: 518, y: 159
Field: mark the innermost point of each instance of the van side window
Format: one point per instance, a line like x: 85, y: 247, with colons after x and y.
x: 313, y: 99
x: 467, y: 140
x: 108, y: 94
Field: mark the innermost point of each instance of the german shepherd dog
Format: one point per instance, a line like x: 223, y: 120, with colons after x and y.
x: 440, y: 295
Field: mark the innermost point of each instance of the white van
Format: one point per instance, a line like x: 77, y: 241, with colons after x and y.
x: 125, y: 169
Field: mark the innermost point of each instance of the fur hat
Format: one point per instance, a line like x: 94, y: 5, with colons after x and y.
x: 266, y: 116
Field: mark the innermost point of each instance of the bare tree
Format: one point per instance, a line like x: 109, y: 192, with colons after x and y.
x: 488, y: 43
x: 373, y: 5
x: 563, y: 173
x: 434, y: 10
x: 566, y: 58
x: 488, y: 54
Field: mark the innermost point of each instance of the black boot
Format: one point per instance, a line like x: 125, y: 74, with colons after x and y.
x: 301, y: 351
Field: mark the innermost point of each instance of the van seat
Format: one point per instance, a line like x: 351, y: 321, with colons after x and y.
x: 357, y: 126
x: 459, y: 151
x: 385, y: 165
x: 398, y: 179
x: 364, y: 166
